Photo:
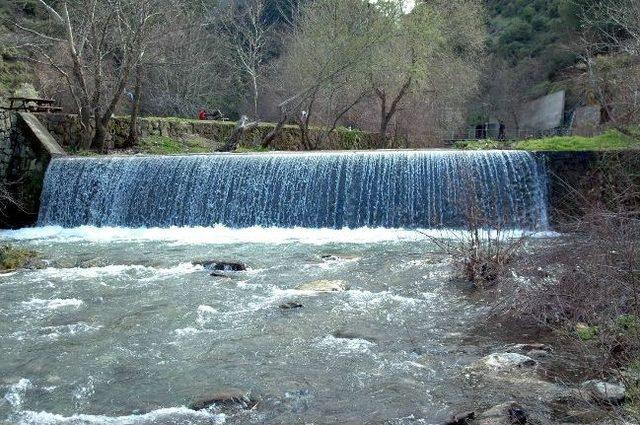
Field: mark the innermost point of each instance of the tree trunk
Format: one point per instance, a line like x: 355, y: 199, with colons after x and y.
x: 386, y: 116
x: 134, y: 132
x: 255, y: 95
x: 100, y: 136
x: 235, y: 137
x: 384, y: 120
x: 271, y: 136
x: 86, y: 134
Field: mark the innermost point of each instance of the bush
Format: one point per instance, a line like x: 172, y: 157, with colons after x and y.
x: 586, y: 285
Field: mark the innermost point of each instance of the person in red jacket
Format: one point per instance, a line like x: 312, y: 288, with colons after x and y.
x: 202, y: 115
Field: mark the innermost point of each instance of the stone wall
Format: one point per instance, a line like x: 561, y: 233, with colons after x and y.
x: 577, y: 179
x: 25, y: 152
x: 7, y: 122
x: 66, y: 128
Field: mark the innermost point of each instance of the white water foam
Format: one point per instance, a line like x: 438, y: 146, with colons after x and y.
x: 142, y: 273
x: 345, y: 346
x: 52, y: 304
x: 170, y: 415
x: 16, y: 393
x: 221, y: 235
x: 55, y: 332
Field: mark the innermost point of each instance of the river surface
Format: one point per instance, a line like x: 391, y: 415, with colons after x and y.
x: 122, y: 328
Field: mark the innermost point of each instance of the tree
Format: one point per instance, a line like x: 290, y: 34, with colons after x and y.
x: 184, y: 68
x: 347, y: 52
x: 94, y: 45
x: 435, y: 50
x: 248, y: 39
x: 320, y: 73
x: 609, y: 48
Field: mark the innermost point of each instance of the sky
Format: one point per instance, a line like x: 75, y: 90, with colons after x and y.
x: 407, y: 5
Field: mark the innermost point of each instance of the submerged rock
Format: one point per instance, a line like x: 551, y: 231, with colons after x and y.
x: 509, y: 413
x: 336, y: 257
x: 342, y: 334
x: 323, y: 286
x: 536, y: 346
x: 228, y: 398
x: 604, y: 392
x: 226, y: 266
x: 537, y: 353
x: 461, y: 418
x: 500, y: 362
x: 290, y: 305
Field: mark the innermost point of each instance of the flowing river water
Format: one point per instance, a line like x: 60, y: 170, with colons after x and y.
x: 122, y: 328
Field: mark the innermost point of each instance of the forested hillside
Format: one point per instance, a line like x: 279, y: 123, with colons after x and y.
x: 331, y: 64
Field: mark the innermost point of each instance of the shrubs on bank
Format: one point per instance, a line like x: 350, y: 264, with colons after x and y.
x: 585, y: 286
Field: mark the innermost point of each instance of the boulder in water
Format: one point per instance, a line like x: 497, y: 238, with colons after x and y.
x: 509, y: 413
x: 323, y: 286
x: 504, y: 362
x: 461, y: 418
x: 225, y: 266
x: 227, y: 398
x: 342, y: 334
x: 604, y: 392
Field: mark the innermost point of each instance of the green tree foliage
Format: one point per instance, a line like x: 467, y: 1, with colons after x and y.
x: 532, y: 29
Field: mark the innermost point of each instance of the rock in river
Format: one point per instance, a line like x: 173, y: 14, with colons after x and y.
x: 464, y: 418
x: 290, y: 305
x: 228, y: 398
x: 500, y: 362
x: 504, y: 414
x: 604, y: 392
x: 323, y: 286
x: 226, y: 266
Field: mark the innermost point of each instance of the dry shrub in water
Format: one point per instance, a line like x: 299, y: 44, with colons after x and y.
x: 489, y: 239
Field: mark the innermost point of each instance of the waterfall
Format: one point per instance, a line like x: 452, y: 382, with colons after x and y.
x: 395, y: 189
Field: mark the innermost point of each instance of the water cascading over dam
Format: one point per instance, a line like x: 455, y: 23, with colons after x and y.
x: 402, y: 189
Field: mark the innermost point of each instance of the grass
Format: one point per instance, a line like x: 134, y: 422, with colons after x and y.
x: 482, y: 144
x: 12, y: 258
x: 586, y: 332
x: 633, y: 390
x: 609, y: 140
x: 160, y: 145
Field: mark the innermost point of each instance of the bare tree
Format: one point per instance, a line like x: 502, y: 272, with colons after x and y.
x: 609, y: 48
x: 317, y: 74
x: 93, y: 45
x: 248, y: 38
